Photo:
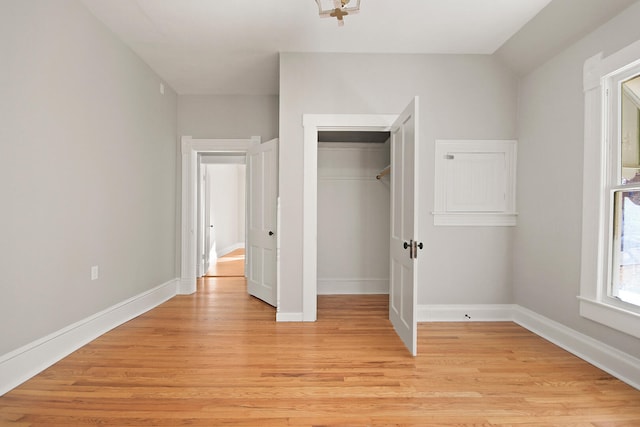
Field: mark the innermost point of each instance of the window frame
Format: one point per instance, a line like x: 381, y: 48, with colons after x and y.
x: 601, y: 81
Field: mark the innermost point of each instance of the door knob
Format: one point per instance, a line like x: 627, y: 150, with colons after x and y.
x: 405, y: 245
x: 270, y: 233
x: 420, y: 245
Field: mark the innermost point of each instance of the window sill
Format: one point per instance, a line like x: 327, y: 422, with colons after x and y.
x: 491, y: 219
x: 614, y: 317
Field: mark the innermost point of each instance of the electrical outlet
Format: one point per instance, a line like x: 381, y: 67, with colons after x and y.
x: 94, y: 272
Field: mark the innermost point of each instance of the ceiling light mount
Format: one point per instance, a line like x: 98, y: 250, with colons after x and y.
x: 337, y: 8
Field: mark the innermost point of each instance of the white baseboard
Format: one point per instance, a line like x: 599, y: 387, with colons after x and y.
x: 19, y: 365
x: 222, y: 252
x: 353, y: 286
x: 289, y: 317
x: 615, y: 362
x: 464, y: 312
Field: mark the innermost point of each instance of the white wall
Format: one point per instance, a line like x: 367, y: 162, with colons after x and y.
x: 462, y: 97
x: 87, y: 170
x: 227, y: 209
x: 353, y: 219
x: 547, y: 241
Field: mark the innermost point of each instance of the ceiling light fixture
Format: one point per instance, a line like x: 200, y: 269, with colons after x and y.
x: 337, y: 8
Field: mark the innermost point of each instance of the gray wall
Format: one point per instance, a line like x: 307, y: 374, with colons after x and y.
x: 462, y: 97
x: 87, y: 170
x: 228, y: 116
x: 547, y: 241
x: 557, y: 26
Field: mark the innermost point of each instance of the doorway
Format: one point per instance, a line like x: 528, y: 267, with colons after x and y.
x: 404, y: 212
x: 313, y: 124
x: 221, y: 223
x: 192, y: 149
x: 353, y: 213
x: 261, y: 228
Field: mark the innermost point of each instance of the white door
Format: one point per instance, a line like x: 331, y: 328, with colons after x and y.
x: 404, y: 232
x: 262, y: 167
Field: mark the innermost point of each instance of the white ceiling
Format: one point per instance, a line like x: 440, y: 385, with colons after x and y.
x: 231, y: 47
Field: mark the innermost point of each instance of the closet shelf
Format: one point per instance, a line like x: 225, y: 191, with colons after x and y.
x: 384, y: 172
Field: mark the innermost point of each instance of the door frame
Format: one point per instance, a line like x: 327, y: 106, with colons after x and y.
x: 312, y: 123
x: 190, y: 148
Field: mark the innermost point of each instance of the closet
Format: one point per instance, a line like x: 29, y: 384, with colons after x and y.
x: 353, y: 213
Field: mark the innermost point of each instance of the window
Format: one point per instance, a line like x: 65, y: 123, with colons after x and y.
x: 624, y: 282
x: 610, y: 273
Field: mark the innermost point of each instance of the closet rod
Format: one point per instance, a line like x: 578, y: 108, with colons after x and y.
x: 384, y: 172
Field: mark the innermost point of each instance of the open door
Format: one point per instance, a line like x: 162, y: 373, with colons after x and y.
x: 262, y: 175
x: 404, y: 230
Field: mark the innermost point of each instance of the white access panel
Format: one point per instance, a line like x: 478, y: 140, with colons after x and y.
x: 475, y: 183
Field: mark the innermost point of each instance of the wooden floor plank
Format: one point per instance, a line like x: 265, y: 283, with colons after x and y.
x: 218, y: 358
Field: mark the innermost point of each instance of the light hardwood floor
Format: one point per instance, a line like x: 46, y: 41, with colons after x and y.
x: 218, y: 358
x: 230, y: 265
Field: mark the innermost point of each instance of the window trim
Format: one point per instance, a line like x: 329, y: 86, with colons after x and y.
x: 595, y: 304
